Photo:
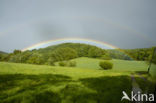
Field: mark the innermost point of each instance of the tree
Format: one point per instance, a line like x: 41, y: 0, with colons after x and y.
x: 16, y: 52
x: 152, y: 57
x: 61, y: 54
x: 15, y: 58
x: 95, y: 52
x: 2, y: 57
x: 35, y: 58
x: 25, y: 56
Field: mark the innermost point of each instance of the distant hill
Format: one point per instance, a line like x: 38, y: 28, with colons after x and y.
x: 82, y: 49
x: 54, y: 53
x: 2, y: 55
x: 1, y: 52
x: 142, y: 54
x: 67, y: 51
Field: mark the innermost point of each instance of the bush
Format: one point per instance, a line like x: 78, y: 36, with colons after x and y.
x: 63, y: 63
x: 106, y: 65
x: 72, y: 64
x: 67, y: 63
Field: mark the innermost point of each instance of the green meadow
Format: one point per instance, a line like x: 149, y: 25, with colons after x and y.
x: 85, y: 83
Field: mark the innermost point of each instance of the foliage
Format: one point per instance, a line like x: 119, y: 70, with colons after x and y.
x: 2, y: 56
x: 64, y: 54
x: 143, y: 54
x: 153, y: 59
x: 16, y: 51
x: 16, y: 58
x: 68, y: 51
x: 25, y: 56
x: 117, y: 54
x: 51, y: 62
x: 106, y: 65
x: 52, y: 54
x: 67, y: 63
x: 95, y: 52
x: 35, y: 59
x: 63, y: 63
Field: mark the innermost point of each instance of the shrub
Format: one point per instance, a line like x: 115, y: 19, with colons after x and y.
x: 72, y: 64
x: 106, y: 65
x: 67, y: 63
x: 63, y: 63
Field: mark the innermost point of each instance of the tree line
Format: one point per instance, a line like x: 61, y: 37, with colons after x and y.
x: 52, y: 54
x: 143, y: 54
x: 68, y: 51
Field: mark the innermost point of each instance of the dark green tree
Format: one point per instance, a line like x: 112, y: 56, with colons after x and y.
x: 95, y: 52
x: 61, y: 54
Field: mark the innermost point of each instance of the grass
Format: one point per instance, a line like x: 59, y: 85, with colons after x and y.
x: 85, y: 83
x: 75, y: 73
x: 119, y: 65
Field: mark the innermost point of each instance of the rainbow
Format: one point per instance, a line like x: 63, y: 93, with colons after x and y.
x: 100, y: 44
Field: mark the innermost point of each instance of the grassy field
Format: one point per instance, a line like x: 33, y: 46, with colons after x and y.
x: 119, y: 65
x: 85, y: 83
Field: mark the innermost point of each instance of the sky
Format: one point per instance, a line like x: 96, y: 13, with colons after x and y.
x: 123, y: 23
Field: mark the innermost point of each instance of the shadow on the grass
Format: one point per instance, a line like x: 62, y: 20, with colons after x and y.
x: 36, y: 84
x: 89, y: 90
x: 109, y: 89
x: 97, y: 90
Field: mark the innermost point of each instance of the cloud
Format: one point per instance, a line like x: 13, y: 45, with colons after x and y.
x: 125, y: 24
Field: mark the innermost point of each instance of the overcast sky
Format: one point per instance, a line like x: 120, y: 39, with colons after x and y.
x: 122, y: 23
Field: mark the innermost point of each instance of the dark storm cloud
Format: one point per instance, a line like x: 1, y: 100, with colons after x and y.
x: 123, y: 23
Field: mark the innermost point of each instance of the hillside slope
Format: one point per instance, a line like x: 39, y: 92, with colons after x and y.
x: 27, y: 83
